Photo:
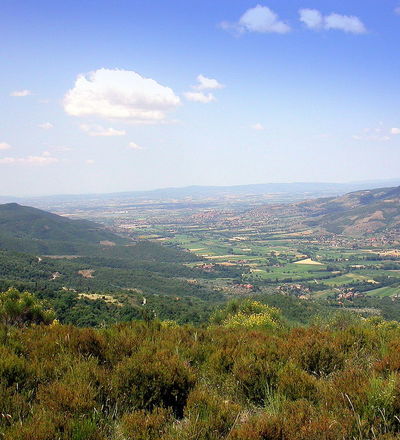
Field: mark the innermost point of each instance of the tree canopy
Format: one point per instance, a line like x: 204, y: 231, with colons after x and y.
x: 23, y: 309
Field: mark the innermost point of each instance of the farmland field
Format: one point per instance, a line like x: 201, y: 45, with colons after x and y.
x: 268, y: 253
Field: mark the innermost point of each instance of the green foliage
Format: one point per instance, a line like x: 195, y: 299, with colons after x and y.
x: 154, y: 381
x: 27, y: 229
x: 153, y: 378
x: 21, y: 309
x: 142, y: 425
x: 248, y: 314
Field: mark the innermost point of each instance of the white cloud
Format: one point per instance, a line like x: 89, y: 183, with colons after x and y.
x: 98, y: 130
x: 258, y: 19
x: 200, y: 97
x: 20, y: 93
x: 44, y: 159
x: 120, y: 94
x: 4, y: 146
x: 345, y: 23
x: 205, y: 83
x: 134, y: 146
x: 313, y: 19
x: 89, y: 161
x: 46, y: 125
x: 397, y: 10
x: 372, y: 137
x: 258, y: 126
x: 395, y: 130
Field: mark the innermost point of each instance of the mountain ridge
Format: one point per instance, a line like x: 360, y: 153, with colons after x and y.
x: 356, y: 213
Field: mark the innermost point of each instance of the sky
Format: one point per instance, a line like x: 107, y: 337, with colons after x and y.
x: 105, y: 96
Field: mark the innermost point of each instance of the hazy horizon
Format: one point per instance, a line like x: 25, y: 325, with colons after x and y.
x: 364, y: 184
x: 147, y: 95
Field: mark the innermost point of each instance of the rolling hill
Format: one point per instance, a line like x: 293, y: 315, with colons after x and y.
x: 33, y: 231
x: 356, y: 213
x: 27, y: 229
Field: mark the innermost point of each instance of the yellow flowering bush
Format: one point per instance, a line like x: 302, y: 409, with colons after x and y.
x: 253, y: 314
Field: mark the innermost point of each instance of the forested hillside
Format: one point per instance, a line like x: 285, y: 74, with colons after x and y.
x: 27, y: 229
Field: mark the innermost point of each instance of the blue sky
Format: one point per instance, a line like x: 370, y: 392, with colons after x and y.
x: 102, y: 96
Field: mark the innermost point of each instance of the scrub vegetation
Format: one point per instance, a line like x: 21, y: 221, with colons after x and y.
x: 246, y: 375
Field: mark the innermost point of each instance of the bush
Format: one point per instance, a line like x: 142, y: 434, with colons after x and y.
x: 208, y: 414
x: 14, y: 370
x: 21, y: 309
x: 153, y: 379
x: 142, y: 425
x: 295, y: 384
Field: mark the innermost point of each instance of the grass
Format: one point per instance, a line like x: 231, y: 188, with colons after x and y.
x: 384, y: 291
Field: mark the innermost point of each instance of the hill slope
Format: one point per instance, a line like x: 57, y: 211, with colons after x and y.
x: 33, y: 231
x: 356, y: 213
x: 27, y: 229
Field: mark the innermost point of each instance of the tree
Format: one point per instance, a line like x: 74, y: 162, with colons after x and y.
x: 23, y: 309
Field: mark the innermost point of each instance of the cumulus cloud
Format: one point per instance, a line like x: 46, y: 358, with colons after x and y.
x: 204, y: 98
x: 21, y: 93
x: 122, y: 95
x: 4, y: 146
x: 205, y: 83
x: 98, y: 130
x: 395, y: 130
x: 345, y: 23
x: 134, y: 146
x: 44, y: 159
x: 46, y: 125
x: 259, y: 19
x: 313, y: 19
x: 258, y: 126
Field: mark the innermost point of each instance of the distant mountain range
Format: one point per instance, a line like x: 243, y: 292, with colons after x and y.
x: 299, y: 190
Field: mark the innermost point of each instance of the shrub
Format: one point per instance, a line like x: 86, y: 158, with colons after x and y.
x: 248, y: 314
x: 13, y: 369
x: 294, y: 383
x: 142, y: 425
x: 315, y: 351
x: 67, y: 398
x: 209, y: 415
x: 21, y: 309
x: 152, y: 379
